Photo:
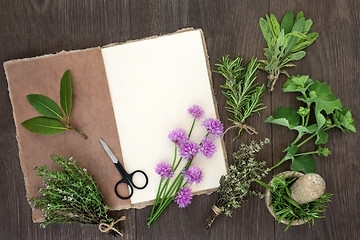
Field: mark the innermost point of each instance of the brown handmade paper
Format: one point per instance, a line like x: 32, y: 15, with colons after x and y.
x: 92, y: 113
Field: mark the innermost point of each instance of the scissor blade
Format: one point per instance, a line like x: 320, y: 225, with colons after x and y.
x: 108, y: 151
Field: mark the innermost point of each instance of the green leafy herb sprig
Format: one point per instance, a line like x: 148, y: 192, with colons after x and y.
x: 235, y: 187
x: 328, y: 111
x: 287, y: 209
x: 52, y: 122
x: 242, y: 92
x: 285, y: 43
x: 71, y: 196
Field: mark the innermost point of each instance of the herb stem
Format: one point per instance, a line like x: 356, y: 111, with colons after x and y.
x: 306, y: 140
x: 302, y: 154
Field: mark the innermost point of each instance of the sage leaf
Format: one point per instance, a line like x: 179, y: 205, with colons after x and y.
x: 66, y: 93
x: 287, y: 22
x: 45, y: 106
x: 44, y: 125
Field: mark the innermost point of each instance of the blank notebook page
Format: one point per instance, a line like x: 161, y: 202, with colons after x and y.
x: 152, y: 83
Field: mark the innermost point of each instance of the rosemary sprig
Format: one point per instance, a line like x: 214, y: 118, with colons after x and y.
x: 285, y: 42
x: 242, y: 92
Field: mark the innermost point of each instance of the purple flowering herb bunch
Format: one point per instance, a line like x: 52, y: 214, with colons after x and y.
x: 175, y: 186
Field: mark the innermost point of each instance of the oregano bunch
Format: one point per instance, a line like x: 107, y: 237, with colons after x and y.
x: 71, y: 196
x: 285, y: 42
x: 242, y: 92
x: 53, y: 121
x: 235, y: 186
x: 320, y: 102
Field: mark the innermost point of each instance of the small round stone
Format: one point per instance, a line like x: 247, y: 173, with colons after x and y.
x: 307, y: 188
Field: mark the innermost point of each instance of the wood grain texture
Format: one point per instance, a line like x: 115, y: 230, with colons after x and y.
x: 37, y: 27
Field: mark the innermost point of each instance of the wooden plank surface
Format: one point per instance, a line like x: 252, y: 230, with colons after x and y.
x: 37, y: 27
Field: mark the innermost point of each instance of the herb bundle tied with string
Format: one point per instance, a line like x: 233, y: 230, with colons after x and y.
x: 72, y: 196
x: 285, y: 42
x: 242, y: 92
x: 235, y: 186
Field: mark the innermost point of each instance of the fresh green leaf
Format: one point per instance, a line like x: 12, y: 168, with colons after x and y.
x: 291, y: 151
x: 45, y: 106
x: 299, y: 15
x: 297, y: 56
x: 44, y: 126
x: 312, y: 128
x: 323, y: 151
x: 266, y: 30
x: 321, y: 137
x: 305, y: 164
x: 66, y: 93
x: 287, y: 22
x: 343, y: 120
x: 289, y: 114
x: 275, y: 24
x: 324, y: 99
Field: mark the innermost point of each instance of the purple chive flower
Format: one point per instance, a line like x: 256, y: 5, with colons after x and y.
x: 164, y: 169
x: 193, y: 174
x: 214, y: 127
x: 178, y: 136
x: 196, y: 111
x: 189, y: 150
x: 207, y: 147
x: 183, y: 197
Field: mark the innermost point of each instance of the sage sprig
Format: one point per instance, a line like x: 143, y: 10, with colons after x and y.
x: 53, y: 121
x: 242, y: 92
x: 285, y: 43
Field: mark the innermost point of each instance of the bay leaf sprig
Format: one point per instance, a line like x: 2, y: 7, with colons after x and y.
x: 242, y: 92
x: 285, y: 42
x: 53, y: 121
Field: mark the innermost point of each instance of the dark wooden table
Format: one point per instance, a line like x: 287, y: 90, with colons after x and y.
x: 36, y: 27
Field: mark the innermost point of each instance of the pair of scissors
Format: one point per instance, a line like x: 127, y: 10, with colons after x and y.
x: 126, y: 178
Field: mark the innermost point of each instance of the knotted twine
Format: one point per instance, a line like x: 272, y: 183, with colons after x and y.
x: 249, y: 129
x: 216, y: 210
x: 273, y: 78
x: 104, y: 227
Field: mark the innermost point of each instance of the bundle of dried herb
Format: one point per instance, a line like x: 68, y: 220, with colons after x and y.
x: 242, y: 92
x: 235, y: 186
x: 71, y: 196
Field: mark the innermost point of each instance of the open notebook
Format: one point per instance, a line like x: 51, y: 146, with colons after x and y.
x: 131, y: 95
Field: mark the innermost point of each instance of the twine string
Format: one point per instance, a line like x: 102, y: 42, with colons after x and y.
x: 216, y: 210
x: 104, y: 227
x: 273, y: 78
x: 249, y: 129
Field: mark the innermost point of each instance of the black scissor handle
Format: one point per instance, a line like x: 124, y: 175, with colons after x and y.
x: 124, y: 180
x: 130, y: 176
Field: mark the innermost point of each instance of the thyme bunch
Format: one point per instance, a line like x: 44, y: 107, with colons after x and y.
x: 71, y: 196
x: 235, y: 187
x: 242, y: 92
